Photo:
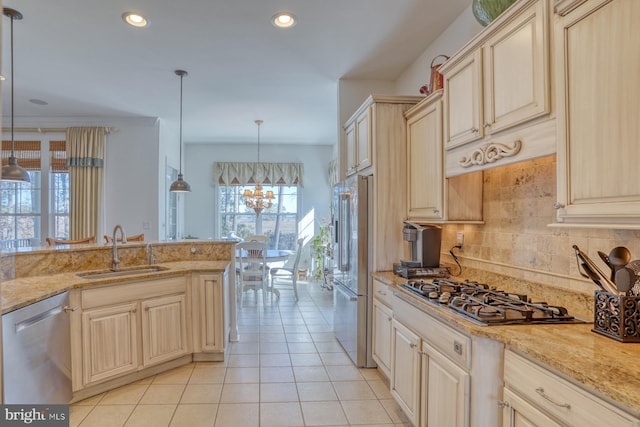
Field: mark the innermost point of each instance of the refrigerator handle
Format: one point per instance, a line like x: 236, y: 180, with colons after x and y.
x: 346, y: 292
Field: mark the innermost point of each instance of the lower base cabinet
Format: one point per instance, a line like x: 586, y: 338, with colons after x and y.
x: 405, y: 370
x: 534, y: 396
x: 211, y: 312
x: 381, y: 336
x: 430, y: 389
x: 125, y: 328
x: 109, y: 342
x: 445, y: 388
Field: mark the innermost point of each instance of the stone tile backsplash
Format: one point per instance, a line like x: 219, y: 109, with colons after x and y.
x: 515, y: 239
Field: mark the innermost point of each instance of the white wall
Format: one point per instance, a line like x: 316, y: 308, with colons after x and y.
x: 198, y: 171
x: 132, y: 193
x: 461, y: 31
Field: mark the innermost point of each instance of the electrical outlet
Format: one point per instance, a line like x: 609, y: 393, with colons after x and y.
x: 460, y: 239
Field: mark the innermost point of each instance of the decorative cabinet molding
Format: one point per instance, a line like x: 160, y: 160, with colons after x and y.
x: 497, y: 89
x: 598, y: 131
x: 490, y: 153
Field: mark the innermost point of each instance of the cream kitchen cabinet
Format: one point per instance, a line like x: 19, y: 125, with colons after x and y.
x: 598, y: 99
x: 425, y: 175
x: 535, y: 396
x: 446, y: 387
x: 430, y: 196
x: 128, y: 327
x: 381, y: 330
x: 405, y: 370
x: 110, y: 342
x: 164, y: 329
x: 211, y: 315
x: 497, y: 82
x: 436, y: 377
x: 387, y: 134
x: 359, y: 143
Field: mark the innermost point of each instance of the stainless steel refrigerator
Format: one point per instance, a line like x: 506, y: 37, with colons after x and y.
x: 352, y: 294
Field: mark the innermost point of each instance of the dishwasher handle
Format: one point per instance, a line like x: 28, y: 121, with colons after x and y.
x: 38, y: 318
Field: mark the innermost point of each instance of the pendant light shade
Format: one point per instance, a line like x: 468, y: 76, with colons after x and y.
x: 180, y: 185
x: 12, y: 172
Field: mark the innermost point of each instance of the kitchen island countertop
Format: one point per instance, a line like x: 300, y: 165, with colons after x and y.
x: 21, y: 292
x: 607, y: 367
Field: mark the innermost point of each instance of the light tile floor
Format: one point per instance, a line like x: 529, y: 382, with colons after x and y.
x: 286, y: 370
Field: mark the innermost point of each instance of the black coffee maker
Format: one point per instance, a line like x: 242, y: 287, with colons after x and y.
x: 424, y: 244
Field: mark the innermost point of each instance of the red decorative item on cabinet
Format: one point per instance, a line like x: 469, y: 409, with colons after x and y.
x: 436, y: 80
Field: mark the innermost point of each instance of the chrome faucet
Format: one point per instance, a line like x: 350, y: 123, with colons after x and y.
x: 152, y: 257
x: 116, y: 261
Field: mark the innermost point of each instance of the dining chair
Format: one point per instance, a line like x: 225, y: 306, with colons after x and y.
x: 54, y: 242
x: 134, y: 238
x: 285, y: 273
x: 252, y: 271
x: 257, y: 238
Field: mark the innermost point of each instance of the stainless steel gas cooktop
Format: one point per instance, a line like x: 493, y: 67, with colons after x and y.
x: 485, y: 305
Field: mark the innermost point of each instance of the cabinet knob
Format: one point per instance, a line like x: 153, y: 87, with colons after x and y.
x: 487, y: 125
x: 68, y: 309
x: 389, y: 319
x: 502, y: 404
x: 412, y: 345
x: 474, y: 130
x: 558, y: 205
x: 436, y: 211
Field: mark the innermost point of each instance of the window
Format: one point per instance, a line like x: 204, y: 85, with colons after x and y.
x: 279, y: 222
x: 28, y: 214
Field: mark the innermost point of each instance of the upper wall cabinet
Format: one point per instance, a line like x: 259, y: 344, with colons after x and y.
x: 431, y: 197
x: 598, y: 97
x: 495, y: 89
x: 359, y: 143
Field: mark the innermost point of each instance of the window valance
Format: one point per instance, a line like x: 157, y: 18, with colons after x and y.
x: 242, y: 173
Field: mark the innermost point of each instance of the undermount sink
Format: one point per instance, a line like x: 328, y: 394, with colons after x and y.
x: 103, y: 274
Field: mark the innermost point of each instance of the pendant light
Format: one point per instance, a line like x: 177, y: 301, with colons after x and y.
x: 180, y: 185
x: 11, y: 172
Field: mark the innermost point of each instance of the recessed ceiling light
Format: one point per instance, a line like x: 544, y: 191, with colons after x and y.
x: 2, y: 77
x: 284, y: 20
x: 38, y: 101
x: 135, y: 19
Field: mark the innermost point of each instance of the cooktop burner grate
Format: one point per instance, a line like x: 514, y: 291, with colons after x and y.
x: 486, y: 305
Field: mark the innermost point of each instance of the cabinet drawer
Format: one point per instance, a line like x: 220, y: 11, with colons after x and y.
x: 559, y: 398
x: 382, y: 292
x: 453, y: 344
x: 131, y: 291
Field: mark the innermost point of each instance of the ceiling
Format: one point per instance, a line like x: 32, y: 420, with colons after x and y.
x: 84, y: 61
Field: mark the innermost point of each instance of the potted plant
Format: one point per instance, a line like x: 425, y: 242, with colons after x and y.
x: 320, y: 248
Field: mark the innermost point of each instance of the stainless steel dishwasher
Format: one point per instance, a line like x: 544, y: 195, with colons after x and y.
x: 37, y: 352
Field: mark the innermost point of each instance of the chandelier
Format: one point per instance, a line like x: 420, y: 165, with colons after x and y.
x: 257, y: 199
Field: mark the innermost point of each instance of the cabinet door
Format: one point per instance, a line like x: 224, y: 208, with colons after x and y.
x: 350, y: 138
x: 211, y: 307
x: 405, y: 370
x: 598, y: 103
x: 424, y: 162
x: 364, y: 142
x: 445, y: 391
x: 382, y: 316
x: 517, y: 412
x: 110, y: 342
x: 516, y: 70
x: 463, y: 101
x: 164, y: 329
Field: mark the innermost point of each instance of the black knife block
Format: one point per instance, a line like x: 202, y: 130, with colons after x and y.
x: 617, y: 316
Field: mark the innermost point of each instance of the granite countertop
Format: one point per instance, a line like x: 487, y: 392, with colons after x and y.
x: 609, y: 368
x: 21, y: 292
